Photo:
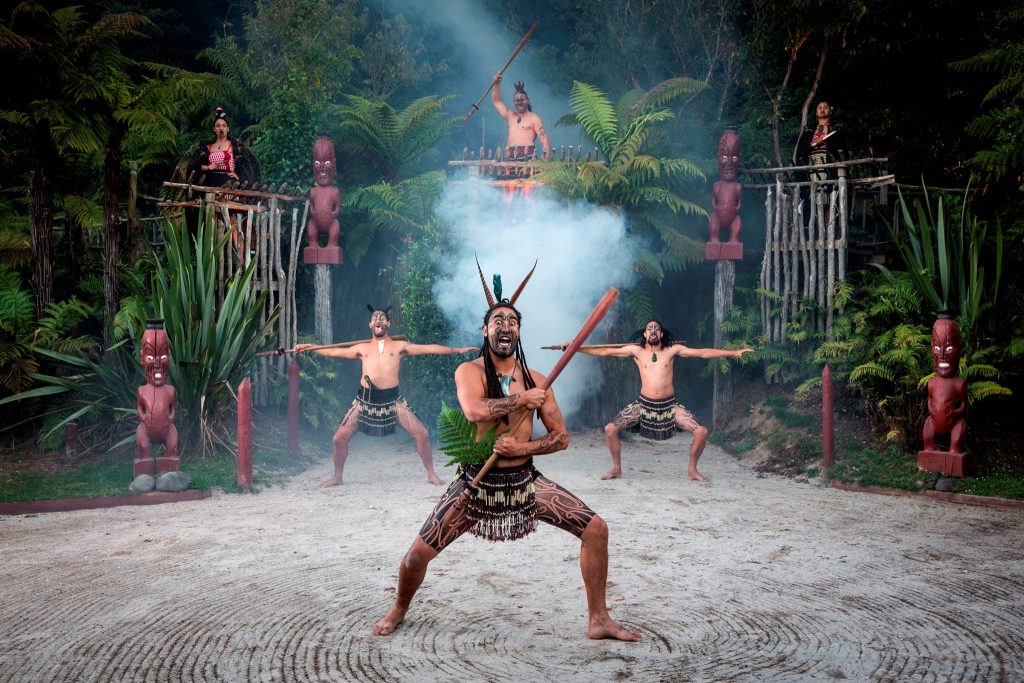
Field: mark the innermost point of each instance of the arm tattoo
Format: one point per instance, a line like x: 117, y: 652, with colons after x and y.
x: 549, y: 443
x: 499, y: 407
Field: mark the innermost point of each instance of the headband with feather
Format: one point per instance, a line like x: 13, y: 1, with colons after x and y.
x: 495, y: 297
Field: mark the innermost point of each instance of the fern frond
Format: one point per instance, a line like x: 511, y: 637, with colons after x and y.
x: 596, y: 115
x: 458, y: 438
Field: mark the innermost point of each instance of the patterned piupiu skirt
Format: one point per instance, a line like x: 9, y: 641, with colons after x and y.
x: 657, y: 418
x: 520, y: 152
x: 505, y: 504
x: 378, y: 410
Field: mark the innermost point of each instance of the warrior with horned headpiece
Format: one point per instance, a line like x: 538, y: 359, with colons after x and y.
x: 499, y: 393
x: 379, y: 404
x: 524, y: 126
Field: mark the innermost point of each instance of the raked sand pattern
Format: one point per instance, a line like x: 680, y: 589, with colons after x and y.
x: 746, y: 579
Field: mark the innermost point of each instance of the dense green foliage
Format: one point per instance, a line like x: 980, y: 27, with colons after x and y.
x: 212, y: 346
x: 427, y: 380
x: 651, y: 85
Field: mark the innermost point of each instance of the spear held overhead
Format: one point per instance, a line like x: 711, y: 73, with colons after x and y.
x: 588, y: 327
x: 340, y: 345
x: 522, y: 43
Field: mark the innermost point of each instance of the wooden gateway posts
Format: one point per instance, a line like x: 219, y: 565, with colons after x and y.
x: 265, y: 227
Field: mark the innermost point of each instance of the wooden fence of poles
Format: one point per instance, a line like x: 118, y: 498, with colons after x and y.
x: 265, y: 227
x: 807, y: 239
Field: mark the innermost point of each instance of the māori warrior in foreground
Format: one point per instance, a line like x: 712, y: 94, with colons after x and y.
x: 498, y: 389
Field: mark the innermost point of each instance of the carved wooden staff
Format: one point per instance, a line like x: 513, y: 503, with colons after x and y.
x: 588, y: 326
x: 340, y: 345
x: 522, y: 43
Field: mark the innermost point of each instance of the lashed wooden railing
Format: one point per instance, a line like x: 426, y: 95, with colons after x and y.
x: 806, y: 256
x: 496, y: 163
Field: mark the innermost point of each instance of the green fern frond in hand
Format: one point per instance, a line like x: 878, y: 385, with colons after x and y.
x: 458, y: 438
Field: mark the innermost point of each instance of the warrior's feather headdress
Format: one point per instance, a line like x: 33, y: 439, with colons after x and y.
x: 495, y: 297
x: 385, y: 311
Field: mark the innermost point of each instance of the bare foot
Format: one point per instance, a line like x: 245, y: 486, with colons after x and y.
x: 697, y: 476
x: 434, y: 479
x: 389, y: 622
x: 599, y: 629
x: 612, y: 474
x: 333, y: 481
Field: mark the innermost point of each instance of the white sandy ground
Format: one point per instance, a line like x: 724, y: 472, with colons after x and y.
x: 745, y: 579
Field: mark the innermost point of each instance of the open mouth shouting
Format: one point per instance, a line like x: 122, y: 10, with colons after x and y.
x: 503, y: 343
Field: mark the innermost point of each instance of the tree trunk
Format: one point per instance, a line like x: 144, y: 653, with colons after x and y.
x: 74, y: 245
x: 111, y: 233
x: 41, y: 226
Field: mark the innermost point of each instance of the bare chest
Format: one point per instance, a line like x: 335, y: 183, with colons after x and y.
x: 382, y: 366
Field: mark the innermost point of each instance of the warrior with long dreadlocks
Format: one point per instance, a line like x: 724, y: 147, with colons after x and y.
x: 498, y: 390
x: 656, y: 415
x: 524, y: 126
x: 379, y: 404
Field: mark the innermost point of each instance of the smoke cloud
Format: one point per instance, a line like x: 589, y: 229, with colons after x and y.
x: 478, y: 45
x: 581, y: 250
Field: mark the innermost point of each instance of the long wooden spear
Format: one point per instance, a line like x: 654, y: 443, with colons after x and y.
x: 590, y: 347
x: 522, y: 43
x: 340, y: 345
x: 588, y: 326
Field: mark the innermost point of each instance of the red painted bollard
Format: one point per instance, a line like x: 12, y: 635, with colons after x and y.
x: 245, y: 434
x: 828, y: 439
x: 293, y: 409
x: 71, y: 440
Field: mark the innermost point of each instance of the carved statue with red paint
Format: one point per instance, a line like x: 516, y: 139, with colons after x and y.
x: 947, y: 391
x: 156, y: 398
x: 325, y: 204
x: 727, y: 193
x: 324, y: 197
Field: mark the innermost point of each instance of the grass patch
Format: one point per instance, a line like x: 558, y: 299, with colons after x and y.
x: 866, y: 466
x: 110, y: 475
x: 744, y: 446
x: 1000, y: 485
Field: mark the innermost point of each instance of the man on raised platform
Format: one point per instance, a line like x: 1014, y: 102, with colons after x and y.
x: 524, y: 127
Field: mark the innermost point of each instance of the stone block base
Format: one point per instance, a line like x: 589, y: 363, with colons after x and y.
x: 328, y: 256
x: 723, y: 251
x: 945, y: 463
x: 152, y: 466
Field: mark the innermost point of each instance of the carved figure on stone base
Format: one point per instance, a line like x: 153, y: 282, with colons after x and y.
x: 156, y: 398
